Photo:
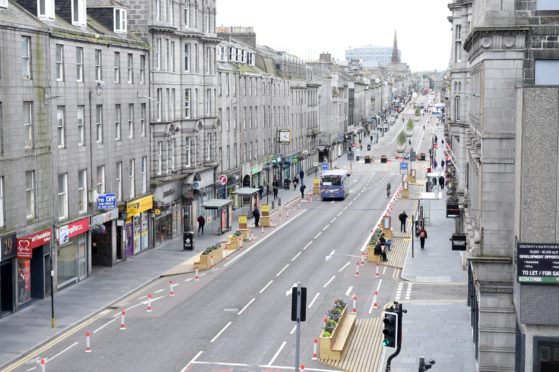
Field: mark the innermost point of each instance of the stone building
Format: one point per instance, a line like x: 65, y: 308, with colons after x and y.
x: 503, y: 145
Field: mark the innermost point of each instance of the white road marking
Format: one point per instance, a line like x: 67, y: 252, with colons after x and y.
x: 30, y: 369
x: 143, y: 297
x: 332, y: 220
x: 247, y: 305
x: 350, y: 203
x: 308, y: 245
x: 234, y: 259
x: 297, y: 255
x: 339, y: 214
x: 277, y: 353
x: 348, y: 291
x: 290, y: 290
x: 187, y: 280
x: 293, y: 330
x: 266, y: 286
x: 231, y: 310
x: 281, y: 271
x: 220, y: 332
x: 330, y: 255
x: 399, y: 292
x: 314, y: 299
x: 63, y: 351
x: 332, y: 202
x: 104, y: 325
x: 328, y: 282
x: 317, y: 235
x: 158, y: 291
x: 378, y: 286
x: 343, y: 267
x: 384, y: 270
x: 224, y: 364
x: 192, y: 361
x: 408, y: 291
x: 143, y: 303
x: 325, y: 227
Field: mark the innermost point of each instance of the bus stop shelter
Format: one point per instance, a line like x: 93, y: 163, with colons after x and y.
x: 223, y: 213
x: 248, y: 199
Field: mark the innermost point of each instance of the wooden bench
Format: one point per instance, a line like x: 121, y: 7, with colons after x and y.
x: 333, y: 347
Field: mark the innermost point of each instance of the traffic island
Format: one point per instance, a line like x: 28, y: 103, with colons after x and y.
x: 337, y: 332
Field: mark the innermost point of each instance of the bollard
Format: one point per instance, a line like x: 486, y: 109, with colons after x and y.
x: 87, y: 343
x: 302, y: 368
x: 148, y: 309
x: 354, y: 304
x: 171, y: 288
x: 362, y: 258
x: 325, y: 321
x: 43, y: 364
x: 376, y: 272
x: 211, y: 261
x: 314, y: 350
x: 122, y: 315
x: 196, y: 276
x: 262, y: 230
x: 357, y: 269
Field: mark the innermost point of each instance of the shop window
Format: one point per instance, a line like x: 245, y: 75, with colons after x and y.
x: 546, y: 354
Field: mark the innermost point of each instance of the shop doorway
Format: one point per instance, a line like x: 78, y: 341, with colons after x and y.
x: 246, y: 181
x: 119, y: 244
x: 6, y: 288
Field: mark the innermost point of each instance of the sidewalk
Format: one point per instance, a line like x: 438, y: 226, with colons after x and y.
x: 31, y: 327
x: 435, y: 328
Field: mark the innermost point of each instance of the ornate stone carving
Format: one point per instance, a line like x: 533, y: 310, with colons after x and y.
x: 486, y: 42
x: 508, y: 41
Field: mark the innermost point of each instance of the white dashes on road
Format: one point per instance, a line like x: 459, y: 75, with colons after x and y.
x: 408, y: 291
x: 399, y: 291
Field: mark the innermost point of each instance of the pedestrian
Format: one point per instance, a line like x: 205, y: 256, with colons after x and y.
x: 434, y: 164
x: 422, y: 236
x: 302, y: 189
x: 442, y: 163
x: 379, y: 251
x: 386, y: 243
x: 201, y: 223
x: 436, y: 139
x: 295, y: 182
x: 441, y: 182
x: 301, y: 175
x: 403, y: 218
x: 275, y: 192
x: 256, y: 215
x: 260, y: 191
x: 267, y: 189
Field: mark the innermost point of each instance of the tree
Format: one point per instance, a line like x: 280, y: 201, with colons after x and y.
x: 410, y: 125
x: 417, y: 111
x: 402, y: 138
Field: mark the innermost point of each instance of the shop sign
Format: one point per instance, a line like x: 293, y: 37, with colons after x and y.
x: 7, y: 247
x: 72, y: 229
x: 26, y: 244
x: 538, y: 263
x: 138, y: 206
x: 106, y: 201
x: 100, y: 219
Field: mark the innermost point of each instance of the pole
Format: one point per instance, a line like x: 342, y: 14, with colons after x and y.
x: 412, y: 234
x: 52, y: 322
x: 298, y: 336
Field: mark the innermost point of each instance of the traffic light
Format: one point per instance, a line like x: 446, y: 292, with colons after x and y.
x: 390, y: 329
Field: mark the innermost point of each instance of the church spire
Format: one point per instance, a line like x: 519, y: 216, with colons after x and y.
x: 395, y: 51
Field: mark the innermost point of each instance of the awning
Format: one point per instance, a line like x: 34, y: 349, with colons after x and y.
x: 216, y: 203
x: 246, y: 191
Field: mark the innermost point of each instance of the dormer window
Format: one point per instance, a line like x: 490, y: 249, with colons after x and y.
x: 78, y: 13
x: 3, y: 3
x: 120, y: 20
x: 45, y: 9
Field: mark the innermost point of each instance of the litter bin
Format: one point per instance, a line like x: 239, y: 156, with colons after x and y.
x: 383, y: 159
x: 356, y: 157
x: 369, y: 147
x: 188, y: 240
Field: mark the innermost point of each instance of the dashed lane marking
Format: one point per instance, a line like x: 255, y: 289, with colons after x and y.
x: 348, y: 292
x: 329, y: 281
x: 192, y: 361
x: 220, y: 332
x: 317, y: 235
x: 297, y: 255
x: 63, y: 351
x: 266, y: 286
x: 246, y: 306
x: 277, y: 353
x: 314, y: 299
x: 343, y: 267
x: 282, y: 270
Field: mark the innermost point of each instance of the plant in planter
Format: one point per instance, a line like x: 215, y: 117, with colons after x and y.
x: 417, y: 111
x: 401, y: 139
x: 210, y: 249
x: 410, y: 125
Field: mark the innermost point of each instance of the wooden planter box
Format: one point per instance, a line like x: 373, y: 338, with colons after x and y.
x: 332, y: 348
x: 205, y: 259
x: 371, y: 256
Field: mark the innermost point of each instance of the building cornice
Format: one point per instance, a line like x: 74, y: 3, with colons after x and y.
x: 483, y: 37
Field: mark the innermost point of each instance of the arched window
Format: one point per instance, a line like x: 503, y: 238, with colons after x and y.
x: 186, y: 14
x: 207, y: 21
x: 194, y: 11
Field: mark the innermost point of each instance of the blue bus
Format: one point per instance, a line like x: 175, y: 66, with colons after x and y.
x: 334, y: 184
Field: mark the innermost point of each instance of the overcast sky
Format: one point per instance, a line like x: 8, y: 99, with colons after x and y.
x: 309, y: 27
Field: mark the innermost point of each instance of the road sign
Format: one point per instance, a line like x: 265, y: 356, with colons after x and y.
x: 106, y: 201
x: 403, y: 166
x: 223, y: 179
x: 324, y: 166
x: 298, y: 311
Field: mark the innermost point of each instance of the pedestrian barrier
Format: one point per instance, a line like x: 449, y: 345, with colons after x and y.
x: 171, y: 288
x: 149, y: 309
x: 122, y: 324
x: 357, y: 269
x: 87, y: 342
x: 377, y: 267
x: 43, y: 364
x: 354, y: 304
x: 196, y: 278
x: 315, y: 349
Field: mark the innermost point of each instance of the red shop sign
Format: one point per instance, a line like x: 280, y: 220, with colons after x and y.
x: 26, y: 244
x: 72, y: 229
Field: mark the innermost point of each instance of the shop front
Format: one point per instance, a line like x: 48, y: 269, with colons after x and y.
x: 72, y: 263
x: 33, y: 266
x: 104, y: 250
x: 233, y: 183
x: 137, y: 226
x: 202, y: 185
x: 168, y: 211
x: 7, y: 274
x: 256, y: 174
x: 221, y: 211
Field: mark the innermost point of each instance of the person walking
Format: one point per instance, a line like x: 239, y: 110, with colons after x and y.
x: 260, y: 191
x: 295, y: 182
x: 388, y: 186
x: 434, y: 164
x: 441, y: 182
x: 256, y: 215
x: 275, y: 192
x: 302, y: 189
x: 301, y: 175
x: 201, y: 223
x: 403, y: 218
x: 422, y: 236
x: 442, y: 163
x: 380, y: 252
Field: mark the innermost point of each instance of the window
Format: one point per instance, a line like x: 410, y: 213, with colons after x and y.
x: 118, y: 128
x: 3, y: 4
x: 78, y: 13
x: 45, y: 8
x: 234, y: 118
x: 63, y: 196
x: 101, y: 179
x: 117, y: 68
x: 61, y: 126
x: 99, y: 123
x: 25, y: 51
x: 196, y: 58
x: 171, y: 155
x: 79, y: 64
x: 98, y: 65
x: 167, y: 161
x: 130, y: 68
x: 227, y: 85
x: 143, y: 119
x: 132, y: 175
x: 119, y: 181
x: 144, y: 174
x: 187, y: 13
x: 228, y: 154
x: 194, y: 15
x: 547, y: 5
x: 187, y: 103
x: 120, y: 20
x: 167, y: 60
x: 131, y: 120
x: 222, y: 56
x: 2, y: 222
x: 1, y: 130
x: 173, y: 63
x: 207, y: 20
x: 82, y: 191
x: 458, y: 43
x: 81, y: 128
x: 159, y: 104
x: 30, y: 194
x: 227, y: 118
x: 59, y: 62
x: 158, y: 10
x: 188, y: 152
x: 219, y: 84
x: 28, y: 124
x: 173, y: 104
x: 208, y: 102
x: 158, y: 54
x: 208, y: 60
x: 547, y: 72
x: 187, y: 57
x: 159, y: 158
x: 142, y: 69
x: 208, y: 147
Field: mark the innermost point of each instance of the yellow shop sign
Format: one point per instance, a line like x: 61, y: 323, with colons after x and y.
x: 138, y: 206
